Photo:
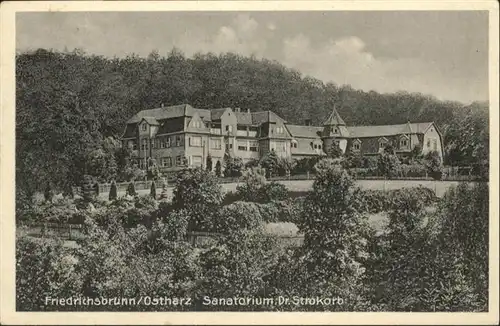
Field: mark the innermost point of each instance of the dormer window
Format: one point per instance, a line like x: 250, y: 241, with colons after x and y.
x: 382, y: 143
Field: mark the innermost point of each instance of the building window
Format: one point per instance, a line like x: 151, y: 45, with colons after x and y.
x: 428, y: 143
x: 167, y: 142
x: 144, y: 127
x: 254, y: 146
x: 357, y: 146
x: 279, y: 130
x: 293, y: 144
x: 196, y: 160
x: 403, y: 143
x: 195, y: 141
x: 162, y: 143
x: 178, y: 141
x: 434, y: 144
x: 382, y: 143
x: 144, y: 145
x: 229, y: 128
x: 242, y: 145
x: 229, y: 146
x: 178, y: 160
x: 335, y: 130
x: 153, y: 142
x: 215, y: 144
x: 319, y: 146
x: 166, y: 162
x: 132, y: 144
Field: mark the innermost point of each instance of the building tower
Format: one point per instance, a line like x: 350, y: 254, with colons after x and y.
x: 334, y: 130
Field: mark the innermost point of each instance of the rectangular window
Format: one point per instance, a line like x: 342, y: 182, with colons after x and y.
x: 434, y: 144
x: 162, y: 143
x: 178, y: 160
x: 144, y: 127
x: 229, y: 128
x: 196, y: 160
x: 167, y: 142
x: 195, y: 141
x: 178, y: 141
x: 144, y: 145
x: 357, y: 146
x: 153, y: 141
x: 215, y: 144
x: 166, y: 162
x: 254, y: 146
x: 242, y: 145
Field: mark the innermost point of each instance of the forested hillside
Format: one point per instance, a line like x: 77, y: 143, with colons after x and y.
x: 70, y: 104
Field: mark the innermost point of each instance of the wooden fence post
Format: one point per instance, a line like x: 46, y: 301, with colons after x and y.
x: 69, y: 230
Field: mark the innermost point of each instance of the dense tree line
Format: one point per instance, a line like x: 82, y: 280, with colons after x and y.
x: 72, y: 107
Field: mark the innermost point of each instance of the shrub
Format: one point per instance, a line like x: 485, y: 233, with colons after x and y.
x: 270, y: 162
x: 413, y: 170
x: 434, y: 165
x: 284, y: 166
x: 335, y: 151
x: 48, y: 194
x: 113, y: 193
x: 269, y: 212
x: 164, y: 191
x: 370, y: 162
x: 253, y: 180
x: 237, y: 216
x: 388, y: 165
x: 44, y: 269
x: 232, y: 166
x: 197, y: 191
x: 376, y: 201
x: 131, y: 189
x: 272, y: 191
x: 152, y: 192
x: 173, y: 226
x: 209, y: 162
x: 218, y: 169
x: 96, y: 187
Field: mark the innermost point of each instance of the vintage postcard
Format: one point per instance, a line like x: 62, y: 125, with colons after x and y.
x: 276, y: 162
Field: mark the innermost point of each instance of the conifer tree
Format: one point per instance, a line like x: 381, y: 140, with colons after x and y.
x: 153, y: 190
x: 113, y: 193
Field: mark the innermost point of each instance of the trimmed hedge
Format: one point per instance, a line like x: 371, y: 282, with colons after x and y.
x: 376, y: 201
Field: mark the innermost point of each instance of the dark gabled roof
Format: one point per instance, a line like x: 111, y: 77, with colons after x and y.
x: 388, y: 130
x: 151, y: 121
x: 304, y: 131
x: 130, y: 131
x: 334, y: 119
x: 244, y: 118
x: 217, y: 113
x: 168, y: 112
x: 265, y: 116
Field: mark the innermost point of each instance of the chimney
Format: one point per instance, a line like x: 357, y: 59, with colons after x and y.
x: 237, y: 109
x: 308, y: 122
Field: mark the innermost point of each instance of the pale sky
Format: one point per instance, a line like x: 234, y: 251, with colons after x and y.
x: 444, y: 54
